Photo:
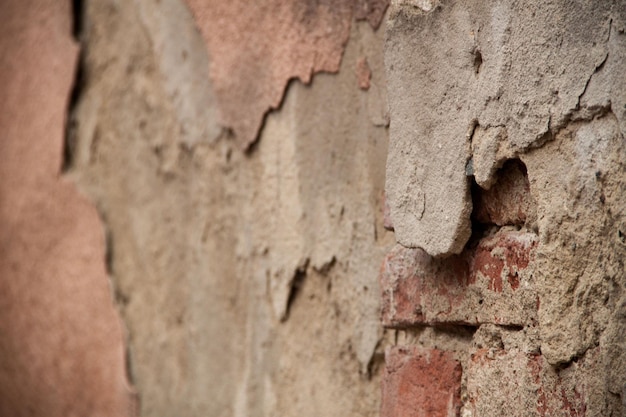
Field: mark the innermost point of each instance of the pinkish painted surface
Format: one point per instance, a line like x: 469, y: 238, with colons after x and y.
x: 61, y: 350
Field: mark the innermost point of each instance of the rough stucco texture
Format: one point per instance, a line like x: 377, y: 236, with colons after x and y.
x: 61, y: 350
x: 256, y: 48
x: 234, y: 269
x: 517, y: 113
x: 496, y: 81
x: 265, y: 280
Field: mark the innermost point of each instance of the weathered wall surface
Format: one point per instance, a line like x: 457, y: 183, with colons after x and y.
x: 316, y: 209
x: 61, y: 341
x: 505, y: 184
x: 248, y: 281
x: 256, y: 48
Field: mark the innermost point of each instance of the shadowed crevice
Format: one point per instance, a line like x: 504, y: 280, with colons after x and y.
x: 296, y: 285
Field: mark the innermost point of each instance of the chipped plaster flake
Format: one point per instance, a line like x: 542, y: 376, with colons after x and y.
x: 506, y: 81
x: 489, y: 149
x: 426, y: 183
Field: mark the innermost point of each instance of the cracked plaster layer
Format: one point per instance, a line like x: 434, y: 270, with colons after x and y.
x: 472, y: 84
x: 248, y: 281
x: 256, y: 48
x: 548, y: 88
x: 61, y: 350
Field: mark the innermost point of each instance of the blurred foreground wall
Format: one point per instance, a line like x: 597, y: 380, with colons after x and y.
x: 312, y: 208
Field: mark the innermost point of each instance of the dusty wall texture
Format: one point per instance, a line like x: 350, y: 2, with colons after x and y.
x: 313, y: 208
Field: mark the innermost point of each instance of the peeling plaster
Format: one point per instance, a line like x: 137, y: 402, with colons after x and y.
x: 523, y: 89
x: 255, y: 48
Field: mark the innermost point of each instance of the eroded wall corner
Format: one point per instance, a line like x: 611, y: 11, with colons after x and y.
x: 529, y: 305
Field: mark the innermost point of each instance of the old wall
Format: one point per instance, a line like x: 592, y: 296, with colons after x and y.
x: 248, y: 281
x: 329, y: 208
x: 61, y: 343
x: 505, y: 182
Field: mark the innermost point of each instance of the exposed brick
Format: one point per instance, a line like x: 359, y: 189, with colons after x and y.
x: 502, y: 258
x: 508, y: 201
x: 489, y: 283
x: 420, y: 382
x: 514, y: 383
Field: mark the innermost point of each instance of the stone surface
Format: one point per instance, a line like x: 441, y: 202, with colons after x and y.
x: 491, y: 283
x: 257, y: 48
x: 510, y: 93
x: 419, y: 382
x: 62, y: 348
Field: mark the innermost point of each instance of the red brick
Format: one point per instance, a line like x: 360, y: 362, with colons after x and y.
x: 490, y: 283
x: 502, y: 257
x: 420, y: 382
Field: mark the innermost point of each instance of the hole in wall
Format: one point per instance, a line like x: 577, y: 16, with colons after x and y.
x: 508, y: 201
